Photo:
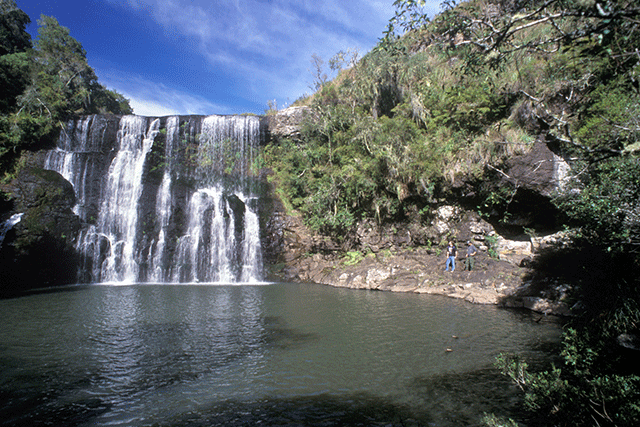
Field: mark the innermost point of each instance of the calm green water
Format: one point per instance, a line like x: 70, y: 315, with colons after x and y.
x: 280, y: 354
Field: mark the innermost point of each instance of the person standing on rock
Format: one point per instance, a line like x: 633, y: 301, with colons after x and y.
x: 452, y: 253
x: 470, y: 257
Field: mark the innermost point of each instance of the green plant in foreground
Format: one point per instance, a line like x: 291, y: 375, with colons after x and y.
x: 492, y: 245
x: 353, y: 258
x: 580, y: 390
x: 491, y: 420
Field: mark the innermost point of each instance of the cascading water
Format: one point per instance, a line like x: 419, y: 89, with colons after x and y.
x: 118, y: 216
x: 8, y: 225
x: 170, y: 200
x: 84, y: 152
x: 163, y: 204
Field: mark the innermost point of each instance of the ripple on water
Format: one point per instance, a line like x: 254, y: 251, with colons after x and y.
x: 288, y: 354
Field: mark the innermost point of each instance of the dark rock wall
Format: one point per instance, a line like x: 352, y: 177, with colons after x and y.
x: 39, y: 250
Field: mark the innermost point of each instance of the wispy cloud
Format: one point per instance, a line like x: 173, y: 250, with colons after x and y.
x: 148, y: 98
x: 267, y: 45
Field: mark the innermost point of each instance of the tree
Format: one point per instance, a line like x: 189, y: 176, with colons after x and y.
x: 44, y: 85
x: 104, y: 101
x: 61, y: 79
x: 320, y: 77
x: 14, y: 63
x: 410, y: 15
x: 13, y: 21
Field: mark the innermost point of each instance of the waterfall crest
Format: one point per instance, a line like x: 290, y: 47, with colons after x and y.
x: 165, y: 200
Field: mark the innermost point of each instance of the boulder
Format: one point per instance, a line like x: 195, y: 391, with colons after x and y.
x: 39, y: 250
x: 286, y: 123
x: 539, y: 170
x: 513, y: 251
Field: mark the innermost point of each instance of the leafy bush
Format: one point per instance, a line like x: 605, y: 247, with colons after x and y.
x: 43, y: 85
x: 579, y: 391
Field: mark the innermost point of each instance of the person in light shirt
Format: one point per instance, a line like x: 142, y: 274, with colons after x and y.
x: 470, y: 257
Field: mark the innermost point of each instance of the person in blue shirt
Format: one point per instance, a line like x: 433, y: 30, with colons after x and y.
x: 452, y: 253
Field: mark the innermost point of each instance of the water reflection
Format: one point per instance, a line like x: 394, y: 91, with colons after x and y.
x: 239, y: 355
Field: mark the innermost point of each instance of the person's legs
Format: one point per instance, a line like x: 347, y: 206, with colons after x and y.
x: 448, y: 263
x: 469, y: 263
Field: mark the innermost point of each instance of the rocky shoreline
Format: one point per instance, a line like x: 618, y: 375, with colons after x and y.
x: 418, y: 271
x: 408, y: 256
x: 389, y: 264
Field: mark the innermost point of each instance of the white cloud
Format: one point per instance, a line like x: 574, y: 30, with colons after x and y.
x: 254, y: 33
x: 152, y: 99
x: 266, y: 45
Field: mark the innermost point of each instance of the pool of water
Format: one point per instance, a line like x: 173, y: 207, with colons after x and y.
x: 275, y: 354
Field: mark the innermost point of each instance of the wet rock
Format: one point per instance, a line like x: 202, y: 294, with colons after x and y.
x: 39, y: 250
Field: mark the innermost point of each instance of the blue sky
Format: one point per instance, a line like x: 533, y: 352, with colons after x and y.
x: 213, y: 57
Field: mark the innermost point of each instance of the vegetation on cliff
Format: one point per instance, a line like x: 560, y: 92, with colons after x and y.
x: 43, y: 84
x: 435, y: 113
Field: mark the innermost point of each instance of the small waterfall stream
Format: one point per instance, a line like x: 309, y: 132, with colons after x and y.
x: 8, y: 225
x: 165, y: 200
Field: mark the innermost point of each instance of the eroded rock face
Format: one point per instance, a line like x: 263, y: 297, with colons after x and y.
x: 286, y: 123
x: 540, y: 170
x: 410, y: 257
x: 38, y: 251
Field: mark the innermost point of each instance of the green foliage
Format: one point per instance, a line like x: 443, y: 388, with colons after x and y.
x: 14, y: 77
x: 353, y: 258
x: 61, y: 78
x: 352, y: 166
x: 581, y: 390
x: 492, y: 244
x: 606, y: 204
x: 107, y: 101
x: 611, y: 116
x: 43, y: 86
x: 491, y: 420
x: 410, y: 14
x: 13, y: 21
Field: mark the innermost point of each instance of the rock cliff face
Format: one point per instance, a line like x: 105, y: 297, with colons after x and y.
x: 286, y: 123
x: 408, y: 256
x: 38, y: 251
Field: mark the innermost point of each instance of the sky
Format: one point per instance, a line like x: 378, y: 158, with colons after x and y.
x: 172, y: 57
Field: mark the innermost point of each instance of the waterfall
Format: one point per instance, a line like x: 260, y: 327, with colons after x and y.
x: 8, y: 225
x: 82, y: 157
x: 164, y: 199
x: 163, y: 203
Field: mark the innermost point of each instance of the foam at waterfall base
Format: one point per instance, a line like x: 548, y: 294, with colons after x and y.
x: 128, y: 283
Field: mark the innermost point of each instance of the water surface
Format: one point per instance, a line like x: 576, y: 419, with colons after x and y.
x: 279, y: 354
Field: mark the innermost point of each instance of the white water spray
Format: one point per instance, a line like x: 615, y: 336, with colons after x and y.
x: 187, y: 215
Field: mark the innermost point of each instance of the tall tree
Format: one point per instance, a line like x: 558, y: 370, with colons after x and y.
x: 13, y: 21
x: 44, y: 85
x: 61, y: 77
x: 14, y: 64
